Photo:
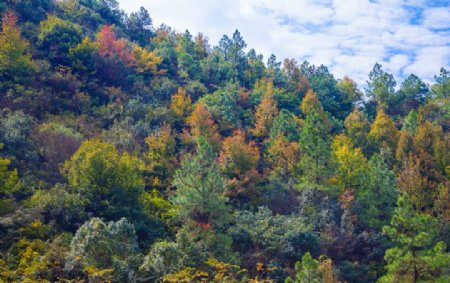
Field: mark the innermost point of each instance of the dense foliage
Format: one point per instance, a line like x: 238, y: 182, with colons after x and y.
x: 131, y: 153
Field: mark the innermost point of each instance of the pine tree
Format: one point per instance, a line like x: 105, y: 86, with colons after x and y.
x: 307, y: 271
x: 314, y: 143
x: 376, y: 196
x: 200, y: 187
x: 416, y: 256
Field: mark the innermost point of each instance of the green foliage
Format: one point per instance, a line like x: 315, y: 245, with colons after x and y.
x: 314, y: 146
x: 224, y: 104
x: 411, y: 122
x: 112, y: 182
x: 442, y: 87
x: 377, y: 195
x: 104, y: 251
x: 216, y: 160
x: 82, y: 56
x: 380, y: 85
x: 307, y: 271
x: 57, y: 37
x: 15, y: 57
x: 278, y: 237
x: 8, y: 185
x: 162, y: 259
x: 200, y: 187
x: 338, y: 103
x: 286, y: 124
x: 198, y: 243
x: 416, y: 256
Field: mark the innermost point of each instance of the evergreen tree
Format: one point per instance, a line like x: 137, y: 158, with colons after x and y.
x: 416, y: 256
x: 376, y: 197
x: 200, y: 187
x: 307, y: 271
x: 314, y: 145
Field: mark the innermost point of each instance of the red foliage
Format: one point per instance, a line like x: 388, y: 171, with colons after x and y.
x: 112, y: 47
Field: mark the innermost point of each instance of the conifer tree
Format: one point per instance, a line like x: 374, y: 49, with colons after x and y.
x: 416, y: 256
x: 200, y: 187
x: 314, y: 144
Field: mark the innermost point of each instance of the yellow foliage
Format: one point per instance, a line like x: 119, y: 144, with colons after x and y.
x: 146, y: 61
x: 161, y: 148
x: 186, y: 275
x: 350, y: 162
x: 201, y: 123
x: 265, y: 113
x: 181, y: 103
x: 383, y: 131
x: 357, y: 127
x: 282, y: 155
x: 32, y: 261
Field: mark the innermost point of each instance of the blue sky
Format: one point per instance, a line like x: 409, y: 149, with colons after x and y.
x: 348, y: 36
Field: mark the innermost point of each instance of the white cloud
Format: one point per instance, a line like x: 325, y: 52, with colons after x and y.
x: 349, y: 36
x: 437, y: 18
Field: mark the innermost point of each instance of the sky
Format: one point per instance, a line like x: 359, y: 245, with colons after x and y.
x: 347, y: 36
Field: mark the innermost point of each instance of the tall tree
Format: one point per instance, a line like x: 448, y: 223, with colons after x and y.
x: 375, y: 198
x: 357, y: 128
x: 314, y: 144
x: 380, y: 86
x: 57, y: 36
x: 15, y: 57
x: 265, y: 114
x: 238, y: 156
x: 139, y: 26
x: 180, y: 103
x: 201, y: 123
x: 442, y: 87
x: 416, y: 256
x: 383, y: 133
x: 350, y: 163
x: 200, y: 187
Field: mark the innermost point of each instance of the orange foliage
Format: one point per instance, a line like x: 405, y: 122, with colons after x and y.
x: 265, y: 112
x: 111, y: 47
x: 201, y: 123
x: 237, y: 156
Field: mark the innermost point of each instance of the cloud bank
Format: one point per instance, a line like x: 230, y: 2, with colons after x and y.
x: 348, y: 36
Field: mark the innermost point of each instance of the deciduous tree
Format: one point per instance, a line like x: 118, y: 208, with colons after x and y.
x: 15, y: 57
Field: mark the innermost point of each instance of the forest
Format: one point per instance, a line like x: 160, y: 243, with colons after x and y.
x: 135, y: 153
